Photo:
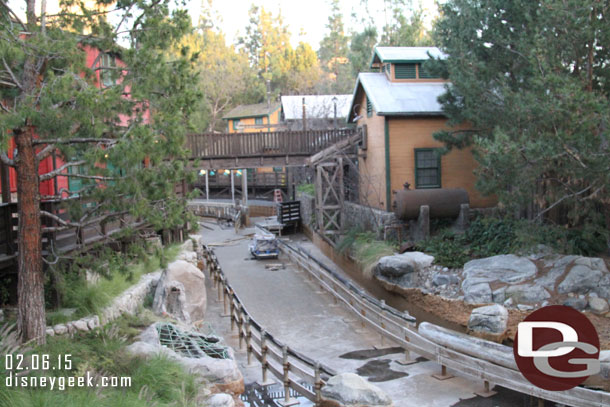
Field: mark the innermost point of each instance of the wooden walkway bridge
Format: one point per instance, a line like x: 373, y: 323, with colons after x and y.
x: 265, y: 149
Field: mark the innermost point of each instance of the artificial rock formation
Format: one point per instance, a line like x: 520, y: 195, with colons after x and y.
x: 181, y: 292
x: 351, y: 390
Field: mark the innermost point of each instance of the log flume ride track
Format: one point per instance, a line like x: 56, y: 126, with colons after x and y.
x: 466, y: 356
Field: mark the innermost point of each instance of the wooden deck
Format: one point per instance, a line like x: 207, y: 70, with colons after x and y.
x: 99, y: 230
x: 265, y: 149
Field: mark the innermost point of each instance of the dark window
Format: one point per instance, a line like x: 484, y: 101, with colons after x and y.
x: 369, y: 107
x: 258, y: 120
x: 425, y: 74
x: 404, y: 71
x: 235, y: 124
x: 427, y: 168
x: 108, y: 72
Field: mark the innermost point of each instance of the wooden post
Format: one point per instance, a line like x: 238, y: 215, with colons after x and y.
x: 232, y: 187
x: 317, y: 385
x: 248, y: 341
x: 408, y: 360
x: 288, y: 401
x: 265, y: 381
x: 444, y: 375
x: 207, y: 186
x: 240, y: 324
x: 6, y: 182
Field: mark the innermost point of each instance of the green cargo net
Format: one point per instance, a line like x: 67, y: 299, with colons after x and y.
x: 191, y: 344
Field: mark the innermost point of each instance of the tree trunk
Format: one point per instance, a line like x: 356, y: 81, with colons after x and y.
x: 30, y: 288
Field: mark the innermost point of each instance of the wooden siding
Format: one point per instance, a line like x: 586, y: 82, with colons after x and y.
x: 371, y: 163
x: 457, y: 167
x: 268, y: 122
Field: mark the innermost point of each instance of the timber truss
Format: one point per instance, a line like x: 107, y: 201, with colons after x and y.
x: 330, y: 184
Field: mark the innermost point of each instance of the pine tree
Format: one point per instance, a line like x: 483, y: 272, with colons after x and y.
x: 51, y: 104
x: 532, y: 80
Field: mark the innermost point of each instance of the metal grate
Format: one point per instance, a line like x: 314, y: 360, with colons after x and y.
x: 191, y: 344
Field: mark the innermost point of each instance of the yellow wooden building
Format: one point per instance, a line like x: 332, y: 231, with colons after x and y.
x: 253, y: 118
x: 398, y: 104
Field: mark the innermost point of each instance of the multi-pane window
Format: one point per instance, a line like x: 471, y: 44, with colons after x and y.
x: 427, y: 168
x: 369, y: 107
x: 405, y: 71
x: 258, y: 120
x: 235, y: 124
x: 108, y: 73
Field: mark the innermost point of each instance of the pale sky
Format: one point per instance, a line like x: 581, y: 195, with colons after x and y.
x: 310, y: 16
x: 307, y: 17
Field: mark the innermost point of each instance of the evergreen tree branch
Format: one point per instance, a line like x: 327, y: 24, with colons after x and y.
x: 12, y: 74
x: 57, y: 171
x: 45, y: 152
x: 106, y: 141
x: 6, y: 160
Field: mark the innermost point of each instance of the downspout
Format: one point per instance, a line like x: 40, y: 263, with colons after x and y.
x: 388, y: 183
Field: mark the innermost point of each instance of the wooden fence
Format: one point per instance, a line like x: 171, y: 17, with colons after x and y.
x: 296, y: 371
x: 277, y: 143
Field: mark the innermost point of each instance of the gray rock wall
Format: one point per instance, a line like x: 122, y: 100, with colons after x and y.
x: 355, y: 215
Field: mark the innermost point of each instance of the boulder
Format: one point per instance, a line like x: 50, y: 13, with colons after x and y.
x: 397, y: 268
x: 598, y: 306
x: 603, y: 289
x: 188, y: 256
x: 220, y: 400
x: 351, y: 390
x: 575, y: 302
x: 491, y: 319
x: 527, y: 293
x: 477, y: 292
x: 585, y: 275
x: 181, y: 292
x: 499, y: 295
x: 445, y: 279
x: 506, y: 268
x: 557, y: 265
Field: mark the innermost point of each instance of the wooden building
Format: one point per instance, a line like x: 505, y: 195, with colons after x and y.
x: 399, y: 107
x: 256, y: 118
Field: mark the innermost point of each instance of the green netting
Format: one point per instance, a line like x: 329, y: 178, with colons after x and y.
x: 191, y: 344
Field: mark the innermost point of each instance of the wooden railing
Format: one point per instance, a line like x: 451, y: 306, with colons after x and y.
x: 95, y: 230
x: 466, y: 356
x: 255, y: 180
x: 296, y: 371
x: 276, y: 143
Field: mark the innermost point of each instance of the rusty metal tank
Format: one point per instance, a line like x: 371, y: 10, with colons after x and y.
x: 443, y: 202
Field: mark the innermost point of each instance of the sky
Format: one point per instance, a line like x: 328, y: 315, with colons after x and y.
x: 309, y: 17
x: 306, y: 19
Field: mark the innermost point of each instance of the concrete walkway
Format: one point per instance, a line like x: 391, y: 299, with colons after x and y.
x: 293, y: 309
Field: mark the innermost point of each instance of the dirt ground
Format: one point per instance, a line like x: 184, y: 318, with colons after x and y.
x: 454, y: 311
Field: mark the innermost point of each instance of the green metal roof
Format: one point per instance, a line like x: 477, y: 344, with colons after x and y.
x: 245, y: 111
x: 404, y: 54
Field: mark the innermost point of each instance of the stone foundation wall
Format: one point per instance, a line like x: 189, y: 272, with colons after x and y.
x: 370, y: 219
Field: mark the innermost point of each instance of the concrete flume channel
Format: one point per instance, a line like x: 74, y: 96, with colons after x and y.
x: 294, y: 309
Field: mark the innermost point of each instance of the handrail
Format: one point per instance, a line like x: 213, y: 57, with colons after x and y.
x: 296, y: 370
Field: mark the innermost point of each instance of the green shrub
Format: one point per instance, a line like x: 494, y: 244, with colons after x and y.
x: 492, y: 236
x: 364, y: 247
x: 155, y: 381
x: 90, y: 299
x: 308, y: 189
